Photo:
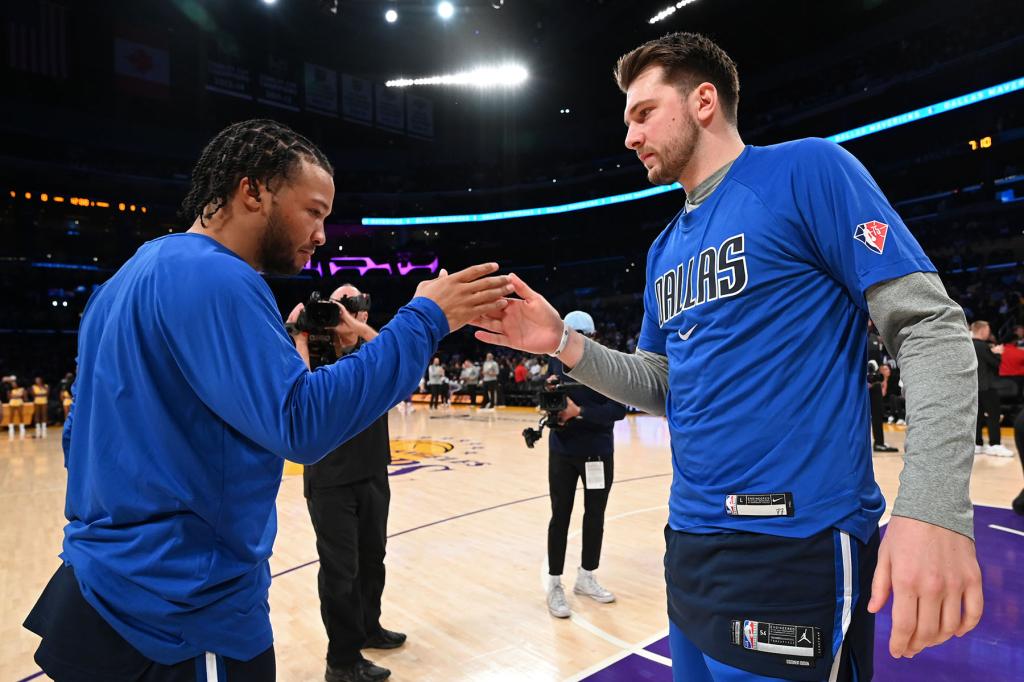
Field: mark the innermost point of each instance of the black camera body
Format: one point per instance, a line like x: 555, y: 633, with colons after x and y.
x: 552, y: 400
x: 355, y: 304
x: 316, y: 319
x: 317, y: 315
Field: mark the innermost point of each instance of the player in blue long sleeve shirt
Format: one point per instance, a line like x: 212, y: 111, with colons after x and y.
x: 189, y: 397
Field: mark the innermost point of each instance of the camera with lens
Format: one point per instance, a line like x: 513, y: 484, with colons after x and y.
x: 874, y: 376
x: 355, y: 304
x: 552, y: 400
x: 316, y: 319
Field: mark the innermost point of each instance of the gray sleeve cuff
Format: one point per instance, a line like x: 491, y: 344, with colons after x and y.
x: 927, y: 333
x: 639, y: 379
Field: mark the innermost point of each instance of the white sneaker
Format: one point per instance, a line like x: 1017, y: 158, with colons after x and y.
x: 587, y: 585
x: 890, y: 420
x: 901, y: 422
x: 998, y: 451
x: 979, y: 449
x: 557, y: 605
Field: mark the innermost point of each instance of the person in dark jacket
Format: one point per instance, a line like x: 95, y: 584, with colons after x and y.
x: 348, y: 497
x: 582, y: 449
x: 988, y: 396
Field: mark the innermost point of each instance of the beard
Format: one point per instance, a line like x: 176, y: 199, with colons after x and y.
x: 676, y: 155
x: 277, y: 253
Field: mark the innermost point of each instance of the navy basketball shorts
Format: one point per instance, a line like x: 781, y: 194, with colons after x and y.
x: 748, y: 606
x: 79, y: 646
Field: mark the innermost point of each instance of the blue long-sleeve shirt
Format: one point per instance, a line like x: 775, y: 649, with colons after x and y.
x: 189, y: 396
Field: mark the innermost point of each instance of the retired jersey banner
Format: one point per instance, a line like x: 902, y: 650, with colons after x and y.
x: 356, y: 99
x: 228, y: 78
x: 390, y: 108
x: 278, y: 85
x: 321, y: 90
x: 419, y: 117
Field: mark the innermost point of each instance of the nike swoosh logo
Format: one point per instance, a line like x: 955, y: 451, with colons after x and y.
x: 686, y: 336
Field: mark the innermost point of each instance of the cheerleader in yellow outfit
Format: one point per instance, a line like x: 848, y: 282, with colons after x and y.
x: 16, y: 401
x: 65, y: 399
x: 40, y: 397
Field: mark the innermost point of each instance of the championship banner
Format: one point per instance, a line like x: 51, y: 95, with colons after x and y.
x: 321, y: 89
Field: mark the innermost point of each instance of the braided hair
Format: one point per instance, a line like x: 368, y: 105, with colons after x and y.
x: 259, y: 149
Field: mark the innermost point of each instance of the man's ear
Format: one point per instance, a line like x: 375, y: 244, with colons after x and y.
x: 251, y: 193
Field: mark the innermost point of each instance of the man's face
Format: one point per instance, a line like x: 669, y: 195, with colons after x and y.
x: 661, y: 129
x: 295, y: 224
x: 349, y: 291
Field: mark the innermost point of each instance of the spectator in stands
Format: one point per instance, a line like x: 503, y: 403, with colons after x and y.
x: 876, y: 382
x: 1011, y: 365
x: 893, y: 404
x: 435, y: 381
x: 505, y: 380
x: 470, y: 379
x: 490, y: 373
x: 520, y: 372
x: 988, y: 396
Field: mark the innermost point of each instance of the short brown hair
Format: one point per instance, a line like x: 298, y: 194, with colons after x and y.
x: 978, y: 325
x: 688, y: 59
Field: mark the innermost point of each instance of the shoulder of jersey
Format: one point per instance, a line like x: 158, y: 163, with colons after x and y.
x: 195, y: 259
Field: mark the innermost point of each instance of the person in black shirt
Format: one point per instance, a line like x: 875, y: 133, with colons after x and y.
x: 582, y: 449
x: 348, y: 496
x: 988, y: 395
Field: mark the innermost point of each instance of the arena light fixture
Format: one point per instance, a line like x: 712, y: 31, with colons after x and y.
x: 863, y: 131
x: 669, y: 11
x: 445, y: 10
x: 391, y: 16
x: 506, y: 75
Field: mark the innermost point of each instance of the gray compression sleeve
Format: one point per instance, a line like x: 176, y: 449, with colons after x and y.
x: 927, y: 334
x: 639, y: 379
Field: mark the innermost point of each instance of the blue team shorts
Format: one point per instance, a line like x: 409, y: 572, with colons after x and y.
x: 746, y: 606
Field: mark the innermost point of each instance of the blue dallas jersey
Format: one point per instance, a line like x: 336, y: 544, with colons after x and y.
x: 757, y: 297
x: 189, y: 394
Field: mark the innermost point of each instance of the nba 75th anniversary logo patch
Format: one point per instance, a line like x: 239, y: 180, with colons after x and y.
x: 872, y: 235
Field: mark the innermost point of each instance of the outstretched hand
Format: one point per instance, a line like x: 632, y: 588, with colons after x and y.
x: 467, y: 294
x: 528, y: 323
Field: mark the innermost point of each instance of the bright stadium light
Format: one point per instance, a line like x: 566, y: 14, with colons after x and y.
x: 669, y: 11
x: 507, y: 75
x: 445, y: 10
x: 391, y: 16
x: 269, y: 2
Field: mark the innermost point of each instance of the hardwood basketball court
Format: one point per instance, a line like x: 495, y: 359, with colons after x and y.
x: 466, y: 556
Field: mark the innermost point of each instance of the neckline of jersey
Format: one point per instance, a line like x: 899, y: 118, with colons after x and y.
x: 685, y: 221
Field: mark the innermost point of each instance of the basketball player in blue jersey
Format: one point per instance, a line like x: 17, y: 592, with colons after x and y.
x: 189, y: 396
x: 772, y: 266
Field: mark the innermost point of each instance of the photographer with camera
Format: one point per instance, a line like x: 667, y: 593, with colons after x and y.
x: 581, y: 446
x: 348, y: 496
